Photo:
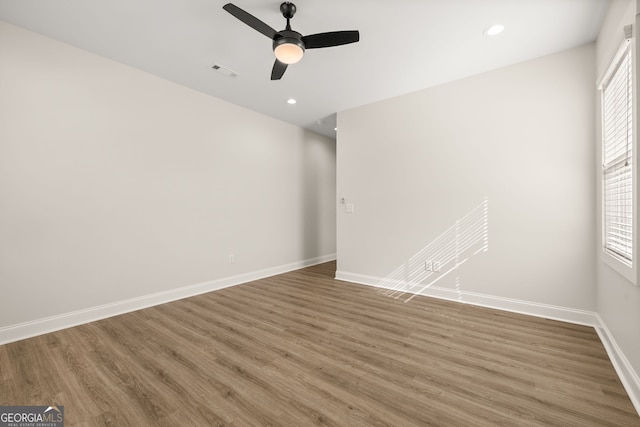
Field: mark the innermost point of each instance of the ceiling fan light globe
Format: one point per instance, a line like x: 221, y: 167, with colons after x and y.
x: 289, y: 52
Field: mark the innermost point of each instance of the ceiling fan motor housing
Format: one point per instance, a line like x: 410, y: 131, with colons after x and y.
x: 288, y: 9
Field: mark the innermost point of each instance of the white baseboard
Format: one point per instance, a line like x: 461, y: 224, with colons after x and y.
x: 571, y: 315
x: 45, y: 325
x: 625, y: 371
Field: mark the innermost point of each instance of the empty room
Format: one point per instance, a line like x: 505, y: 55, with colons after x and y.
x: 341, y: 213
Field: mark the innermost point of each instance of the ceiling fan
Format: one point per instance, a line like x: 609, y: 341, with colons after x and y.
x: 289, y: 45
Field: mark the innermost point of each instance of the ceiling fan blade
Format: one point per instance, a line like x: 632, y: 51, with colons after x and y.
x: 250, y: 20
x: 278, y: 70
x: 334, y: 38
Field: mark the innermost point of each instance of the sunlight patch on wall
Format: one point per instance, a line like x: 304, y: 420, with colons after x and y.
x: 442, y: 257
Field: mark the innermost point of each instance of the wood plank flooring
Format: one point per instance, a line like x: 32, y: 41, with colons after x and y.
x: 302, y: 349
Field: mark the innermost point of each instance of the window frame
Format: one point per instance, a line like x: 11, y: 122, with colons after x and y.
x: 627, y: 268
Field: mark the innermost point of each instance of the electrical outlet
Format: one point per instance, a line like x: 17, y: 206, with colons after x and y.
x: 349, y: 207
x: 232, y: 259
x: 433, y: 266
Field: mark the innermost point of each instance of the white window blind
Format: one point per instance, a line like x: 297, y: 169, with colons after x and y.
x: 617, y: 112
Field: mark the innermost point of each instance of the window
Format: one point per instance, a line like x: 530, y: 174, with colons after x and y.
x: 617, y: 158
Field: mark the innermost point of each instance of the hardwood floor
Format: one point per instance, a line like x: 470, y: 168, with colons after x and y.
x: 303, y: 349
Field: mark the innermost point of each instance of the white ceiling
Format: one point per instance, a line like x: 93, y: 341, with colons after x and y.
x: 405, y: 45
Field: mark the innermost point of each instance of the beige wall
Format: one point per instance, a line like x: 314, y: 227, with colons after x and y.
x: 115, y: 184
x: 522, y: 137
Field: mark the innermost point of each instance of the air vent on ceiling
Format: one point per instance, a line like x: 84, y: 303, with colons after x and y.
x: 224, y: 70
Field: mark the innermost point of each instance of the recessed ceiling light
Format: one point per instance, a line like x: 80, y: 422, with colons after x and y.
x: 494, y: 30
x: 335, y: 129
x: 291, y: 101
